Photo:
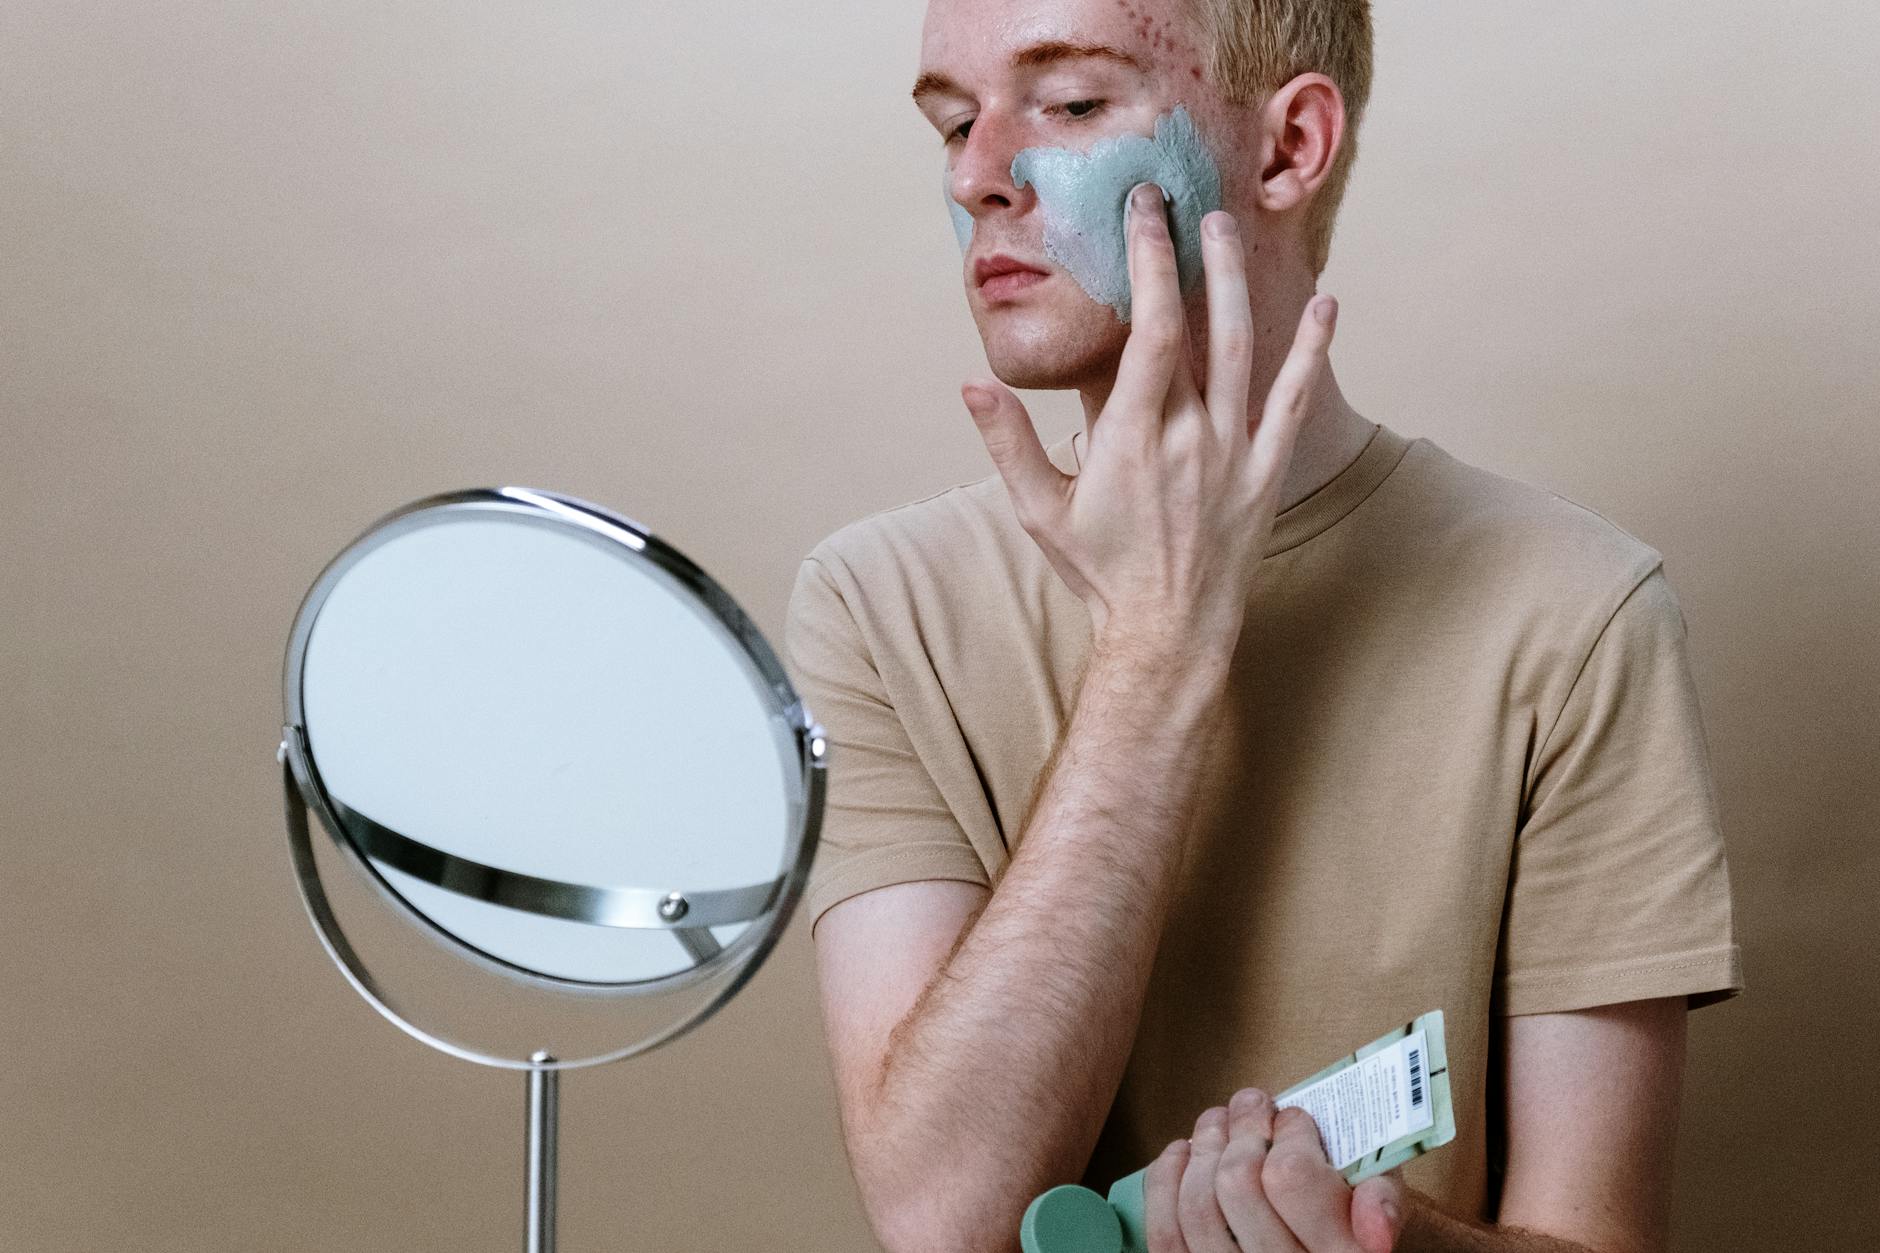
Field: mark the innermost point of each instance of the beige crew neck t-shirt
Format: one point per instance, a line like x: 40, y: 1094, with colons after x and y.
x: 1472, y: 775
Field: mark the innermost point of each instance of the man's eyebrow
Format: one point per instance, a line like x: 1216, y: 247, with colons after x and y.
x: 1031, y: 56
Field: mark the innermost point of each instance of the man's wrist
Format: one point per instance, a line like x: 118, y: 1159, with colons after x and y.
x: 1179, y: 652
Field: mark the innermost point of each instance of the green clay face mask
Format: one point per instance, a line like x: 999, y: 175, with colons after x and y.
x: 1084, y: 197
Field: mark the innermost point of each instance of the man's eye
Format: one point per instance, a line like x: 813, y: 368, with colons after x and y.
x: 1088, y: 107
x: 1075, y: 110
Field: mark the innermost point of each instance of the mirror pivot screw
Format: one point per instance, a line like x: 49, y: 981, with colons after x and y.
x: 674, y: 907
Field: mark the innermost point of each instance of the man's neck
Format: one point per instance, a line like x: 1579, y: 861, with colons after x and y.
x: 1331, y: 439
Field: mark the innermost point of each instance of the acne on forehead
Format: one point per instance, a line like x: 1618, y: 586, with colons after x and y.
x: 1154, y: 30
x: 1162, y: 44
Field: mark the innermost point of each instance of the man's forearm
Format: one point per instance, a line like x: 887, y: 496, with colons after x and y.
x: 997, y: 1082
x: 1428, y: 1229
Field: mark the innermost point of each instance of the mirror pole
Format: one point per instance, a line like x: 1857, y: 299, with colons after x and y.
x: 544, y: 1097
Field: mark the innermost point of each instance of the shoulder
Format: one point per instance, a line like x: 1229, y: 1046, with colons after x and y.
x: 1519, y: 541
x: 923, y: 544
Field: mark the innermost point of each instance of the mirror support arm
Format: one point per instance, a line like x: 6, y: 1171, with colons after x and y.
x: 544, y: 1115
x: 650, y: 908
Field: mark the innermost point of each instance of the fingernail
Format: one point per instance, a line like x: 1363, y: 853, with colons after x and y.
x: 1219, y: 225
x: 978, y: 400
x: 1323, y: 307
x: 1392, y: 1214
x: 1146, y: 202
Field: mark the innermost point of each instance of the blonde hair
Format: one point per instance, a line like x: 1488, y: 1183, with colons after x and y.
x: 1258, y: 46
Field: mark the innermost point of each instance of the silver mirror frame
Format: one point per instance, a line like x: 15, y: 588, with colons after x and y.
x: 774, y: 902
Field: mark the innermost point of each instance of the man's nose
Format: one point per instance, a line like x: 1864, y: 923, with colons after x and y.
x: 982, y: 166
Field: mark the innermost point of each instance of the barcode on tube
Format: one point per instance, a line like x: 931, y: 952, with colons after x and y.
x: 1416, y: 1078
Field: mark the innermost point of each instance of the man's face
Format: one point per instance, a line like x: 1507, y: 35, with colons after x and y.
x: 998, y: 76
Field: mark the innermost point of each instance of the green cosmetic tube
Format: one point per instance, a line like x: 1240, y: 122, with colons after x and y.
x: 1376, y: 1108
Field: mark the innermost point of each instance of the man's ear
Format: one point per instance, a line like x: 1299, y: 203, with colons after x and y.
x: 1301, y: 128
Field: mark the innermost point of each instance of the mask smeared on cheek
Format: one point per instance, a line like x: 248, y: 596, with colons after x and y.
x: 962, y: 220
x: 1084, y: 197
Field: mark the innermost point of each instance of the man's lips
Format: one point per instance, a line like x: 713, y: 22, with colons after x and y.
x: 1001, y: 263
x: 1009, y: 285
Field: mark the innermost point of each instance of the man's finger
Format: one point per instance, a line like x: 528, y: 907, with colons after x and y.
x: 1230, y: 322
x: 1184, y: 386
x: 1037, y: 488
x: 1204, y: 1226
x: 1154, y: 348
x: 1311, y: 1198
x: 1237, y: 1177
x: 1159, y: 1185
x: 1377, y: 1212
x: 1290, y: 399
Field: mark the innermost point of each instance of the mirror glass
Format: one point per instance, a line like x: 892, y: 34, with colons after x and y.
x: 534, y: 734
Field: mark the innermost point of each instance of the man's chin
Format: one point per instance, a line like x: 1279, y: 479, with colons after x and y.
x: 1046, y: 350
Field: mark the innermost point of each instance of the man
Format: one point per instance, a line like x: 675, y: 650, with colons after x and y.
x: 1178, y: 758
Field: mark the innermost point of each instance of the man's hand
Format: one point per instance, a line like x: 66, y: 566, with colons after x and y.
x: 1162, y: 532
x: 1257, y: 1179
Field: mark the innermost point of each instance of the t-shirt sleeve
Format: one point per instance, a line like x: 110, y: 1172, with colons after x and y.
x: 884, y: 820
x: 1619, y: 889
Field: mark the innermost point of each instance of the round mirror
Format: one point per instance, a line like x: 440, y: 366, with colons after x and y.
x: 545, y: 741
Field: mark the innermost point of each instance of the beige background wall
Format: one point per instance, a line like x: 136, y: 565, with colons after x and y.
x: 267, y: 270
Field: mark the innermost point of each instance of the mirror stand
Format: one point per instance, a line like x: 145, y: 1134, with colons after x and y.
x: 544, y: 1111
x: 542, y: 1130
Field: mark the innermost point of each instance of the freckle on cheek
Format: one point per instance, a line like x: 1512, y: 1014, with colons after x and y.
x: 1195, y: 70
